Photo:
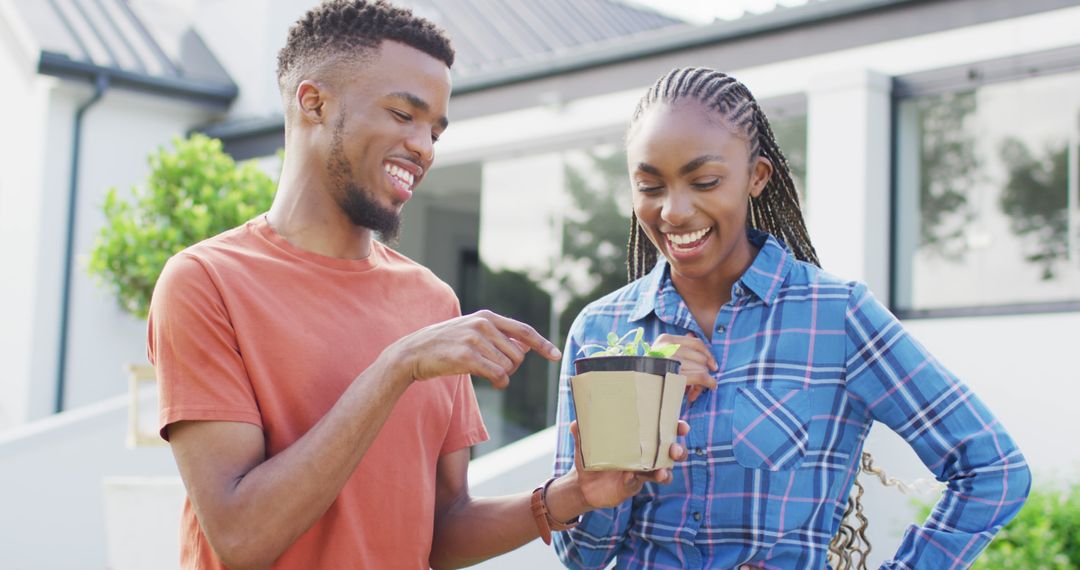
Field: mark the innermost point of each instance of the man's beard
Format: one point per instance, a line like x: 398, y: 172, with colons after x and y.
x: 358, y: 203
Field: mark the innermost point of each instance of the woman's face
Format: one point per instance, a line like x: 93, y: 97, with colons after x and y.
x: 692, y: 177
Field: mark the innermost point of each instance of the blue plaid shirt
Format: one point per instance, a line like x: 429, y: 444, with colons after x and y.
x: 807, y: 363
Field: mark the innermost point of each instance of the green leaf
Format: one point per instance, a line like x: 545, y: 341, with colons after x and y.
x: 193, y: 191
x: 600, y: 349
x: 666, y: 351
x: 613, y: 339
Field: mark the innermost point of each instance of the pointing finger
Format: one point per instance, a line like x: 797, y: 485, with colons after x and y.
x: 526, y: 335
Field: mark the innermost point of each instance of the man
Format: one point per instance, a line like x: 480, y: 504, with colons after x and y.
x: 314, y: 383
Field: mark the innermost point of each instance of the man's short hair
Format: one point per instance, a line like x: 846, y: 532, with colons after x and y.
x: 339, y: 30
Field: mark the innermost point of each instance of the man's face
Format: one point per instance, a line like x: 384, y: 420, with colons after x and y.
x: 390, y: 114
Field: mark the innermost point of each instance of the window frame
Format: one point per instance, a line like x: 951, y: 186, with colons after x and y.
x: 951, y: 79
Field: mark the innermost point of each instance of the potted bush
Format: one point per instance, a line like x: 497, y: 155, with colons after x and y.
x: 627, y: 397
x: 194, y: 191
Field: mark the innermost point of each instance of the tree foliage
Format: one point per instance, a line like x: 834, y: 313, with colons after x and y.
x: 194, y: 191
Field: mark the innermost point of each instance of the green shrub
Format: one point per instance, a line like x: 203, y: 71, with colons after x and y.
x: 1045, y: 535
x: 194, y: 191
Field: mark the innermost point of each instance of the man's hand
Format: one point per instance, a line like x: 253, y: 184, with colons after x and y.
x: 482, y: 344
x: 697, y: 362
x: 605, y: 489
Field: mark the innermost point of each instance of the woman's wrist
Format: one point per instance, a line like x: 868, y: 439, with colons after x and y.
x: 565, y: 501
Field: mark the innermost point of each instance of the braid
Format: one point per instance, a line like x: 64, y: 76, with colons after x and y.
x: 780, y: 199
x: 640, y: 252
x: 776, y: 210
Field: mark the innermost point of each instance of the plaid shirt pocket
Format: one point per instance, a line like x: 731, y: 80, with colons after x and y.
x: 770, y: 428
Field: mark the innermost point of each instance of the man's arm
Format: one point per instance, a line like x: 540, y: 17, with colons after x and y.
x: 252, y: 508
x: 470, y: 530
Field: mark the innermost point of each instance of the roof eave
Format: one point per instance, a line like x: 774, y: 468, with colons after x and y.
x: 214, y: 94
x: 244, y: 128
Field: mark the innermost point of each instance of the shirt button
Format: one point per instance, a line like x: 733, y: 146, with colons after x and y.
x: 697, y: 516
x: 720, y: 329
x: 738, y: 291
x: 699, y: 451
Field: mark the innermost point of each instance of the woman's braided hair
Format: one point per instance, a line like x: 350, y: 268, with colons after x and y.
x: 776, y: 211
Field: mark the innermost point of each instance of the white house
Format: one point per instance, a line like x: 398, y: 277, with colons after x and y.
x: 936, y: 144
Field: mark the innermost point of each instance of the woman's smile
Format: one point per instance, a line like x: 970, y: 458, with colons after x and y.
x: 687, y: 245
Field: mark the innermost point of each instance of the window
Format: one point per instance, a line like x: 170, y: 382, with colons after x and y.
x: 987, y: 196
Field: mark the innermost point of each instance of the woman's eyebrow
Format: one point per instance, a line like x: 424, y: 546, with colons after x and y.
x: 699, y: 162
x: 648, y: 168
x: 685, y: 169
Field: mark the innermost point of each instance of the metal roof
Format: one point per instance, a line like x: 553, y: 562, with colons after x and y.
x: 497, y: 36
x: 661, y: 41
x: 489, y: 35
x: 84, y: 39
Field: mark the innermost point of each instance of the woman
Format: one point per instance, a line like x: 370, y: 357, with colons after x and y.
x: 789, y: 365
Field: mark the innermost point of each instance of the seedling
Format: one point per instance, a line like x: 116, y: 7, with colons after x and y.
x: 627, y: 346
x: 627, y: 397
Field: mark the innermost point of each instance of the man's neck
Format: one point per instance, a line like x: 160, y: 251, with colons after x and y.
x: 304, y: 214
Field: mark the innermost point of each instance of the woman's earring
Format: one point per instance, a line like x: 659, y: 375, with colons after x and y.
x: 750, y: 212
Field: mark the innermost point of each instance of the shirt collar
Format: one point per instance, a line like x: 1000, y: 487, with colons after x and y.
x: 763, y: 278
x: 649, y: 290
x: 769, y: 269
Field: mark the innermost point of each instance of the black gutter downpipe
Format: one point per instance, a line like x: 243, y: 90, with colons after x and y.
x: 101, y: 84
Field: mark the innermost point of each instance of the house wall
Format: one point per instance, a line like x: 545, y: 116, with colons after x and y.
x: 35, y: 158
x: 22, y: 142
x: 52, y: 480
x: 119, y: 133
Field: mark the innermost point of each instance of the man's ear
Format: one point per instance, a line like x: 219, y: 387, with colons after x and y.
x: 759, y: 176
x: 311, y: 102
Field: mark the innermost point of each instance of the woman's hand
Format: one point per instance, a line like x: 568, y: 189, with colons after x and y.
x: 606, y: 489
x: 697, y: 362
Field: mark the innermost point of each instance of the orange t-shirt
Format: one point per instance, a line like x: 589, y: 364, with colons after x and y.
x: 246, y: 327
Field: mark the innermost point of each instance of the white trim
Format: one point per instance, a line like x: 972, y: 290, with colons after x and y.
x: 510, y: 457
x: 55, y: 422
